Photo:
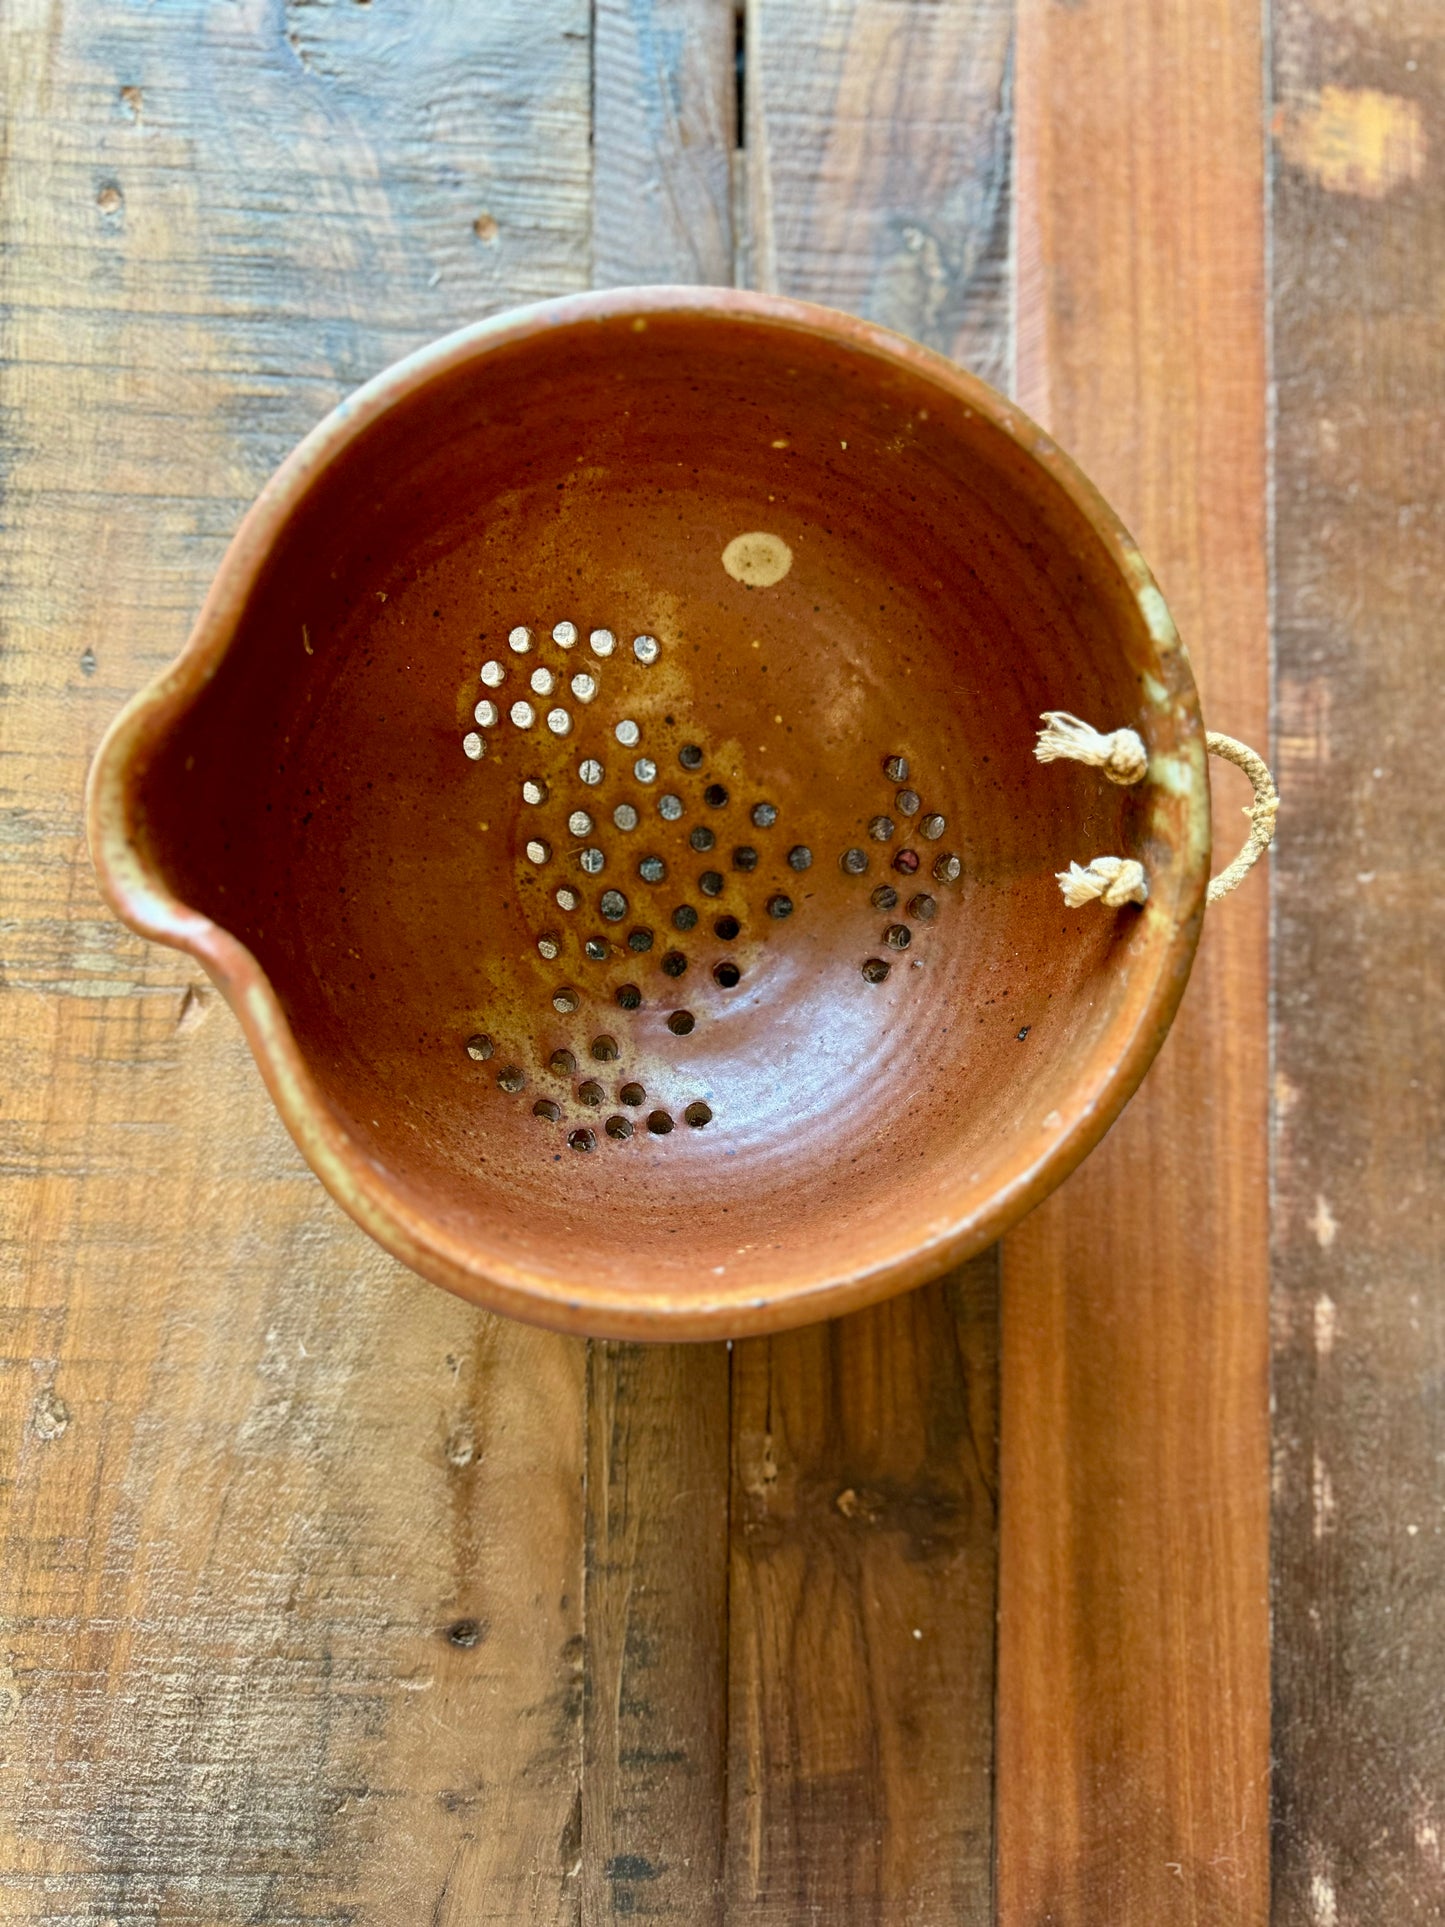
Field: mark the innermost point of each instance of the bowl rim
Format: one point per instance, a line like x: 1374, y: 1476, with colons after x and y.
x: 358, y: 1182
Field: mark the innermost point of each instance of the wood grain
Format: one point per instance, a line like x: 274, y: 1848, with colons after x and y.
x: 862, y: 1614
x: 654, y: 1766
x: 879, y: 152
x: 864, y: 1529
x: 654, y: 1755
x: 1133, y: 1628
x: 1359, y: 1229
x: 291, y: 1577
x: 665, y: 127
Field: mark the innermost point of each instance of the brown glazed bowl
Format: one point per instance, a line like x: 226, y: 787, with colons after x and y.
x: 613, y: 1061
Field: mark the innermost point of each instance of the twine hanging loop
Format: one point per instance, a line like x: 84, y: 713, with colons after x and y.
x: 1261, y: 812
x: 1114, y: 880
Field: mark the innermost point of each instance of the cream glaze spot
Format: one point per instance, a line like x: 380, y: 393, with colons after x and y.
x: 757, y: 559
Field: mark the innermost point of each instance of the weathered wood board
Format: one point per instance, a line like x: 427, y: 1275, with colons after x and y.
x: 292, y: 1573
x: 864, y: 1500
x: 1359, y: 1221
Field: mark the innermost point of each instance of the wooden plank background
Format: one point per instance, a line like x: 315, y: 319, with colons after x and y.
x: 1359, y: 1222
x: 1133, y: 1614
x: 324, y: 1599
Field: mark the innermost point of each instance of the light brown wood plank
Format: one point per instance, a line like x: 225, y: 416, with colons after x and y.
x: 665, y: 96
x: 292, y: 1561
x: 864, y: 1528
x: 654, y: 1761
x: 1133, y: 1660
x: 1359, y: 1321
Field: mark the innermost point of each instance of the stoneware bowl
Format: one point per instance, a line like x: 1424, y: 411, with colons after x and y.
x: 602, y: 781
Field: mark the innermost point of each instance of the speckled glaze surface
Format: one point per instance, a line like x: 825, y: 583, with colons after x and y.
x: 713, y: 1086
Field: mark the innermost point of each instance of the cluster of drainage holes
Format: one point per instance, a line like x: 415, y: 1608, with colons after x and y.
x: 513, y: 1078
x: 674, y: 962
x: 947, y: 868
x: 659, y: 1123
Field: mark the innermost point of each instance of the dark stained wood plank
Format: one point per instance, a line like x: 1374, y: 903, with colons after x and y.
x: 1133, y: 1660
x: 1359, y: 1318
x: 879, y: 152
x: 654, y: 1768
x: 292, y: 1559
x: 864, y: 1528
x: 655, y: 1590
x: 665, y: 129
x: 862, y: 1615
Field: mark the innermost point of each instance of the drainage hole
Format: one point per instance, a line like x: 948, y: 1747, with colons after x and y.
x: 727, y: 928
x: 629, y: 997
x: 479, y: 1048
x: 582, y: 1139
x: 727, y: 974
x: 563, y: 1062
x: 632, y: 1094
x: 674, y: 964
x: 659, y: 1123
x: 681, y: 1022
x: 697, y: 1115
x: 544, y: 1107
x: 618, y: 1126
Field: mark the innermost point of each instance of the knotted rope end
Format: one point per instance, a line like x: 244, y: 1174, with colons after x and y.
x: 1121, y: 755
x: 1110, y: 880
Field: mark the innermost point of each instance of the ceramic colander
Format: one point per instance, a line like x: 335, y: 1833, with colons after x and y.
x: 605, y: 780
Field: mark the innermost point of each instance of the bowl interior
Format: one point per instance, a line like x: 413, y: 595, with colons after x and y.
x: 941, y: 589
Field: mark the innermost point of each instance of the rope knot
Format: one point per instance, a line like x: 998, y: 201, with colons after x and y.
x: 1110, y: 880
x: 1121, y: 755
